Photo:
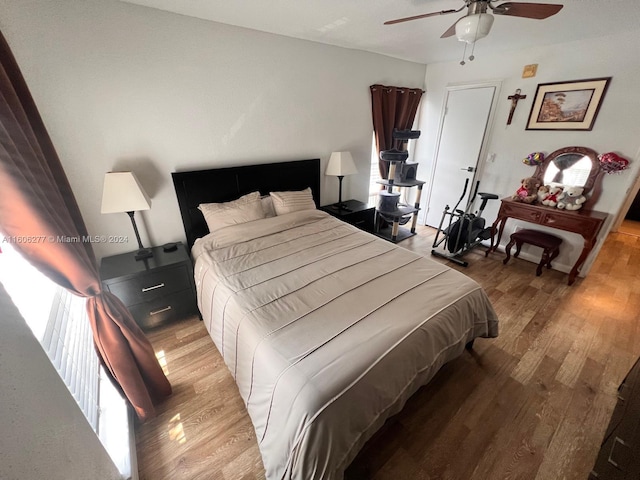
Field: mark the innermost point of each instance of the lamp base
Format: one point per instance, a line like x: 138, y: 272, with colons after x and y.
x: 143, y: 253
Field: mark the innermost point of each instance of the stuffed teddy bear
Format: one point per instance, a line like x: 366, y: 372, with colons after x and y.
x: 543, y: 192
x: 552, y: 197
x: 571, y: 198
x: 528, y: 191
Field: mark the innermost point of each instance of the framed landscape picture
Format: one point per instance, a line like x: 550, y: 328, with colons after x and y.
x: 570, y: 105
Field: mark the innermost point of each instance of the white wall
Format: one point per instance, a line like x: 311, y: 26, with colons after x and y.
x: 44, y: 432
x: 123, y: 86
x: 615, y: 129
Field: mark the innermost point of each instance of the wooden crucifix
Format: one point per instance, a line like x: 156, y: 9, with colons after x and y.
x: 514, y: 103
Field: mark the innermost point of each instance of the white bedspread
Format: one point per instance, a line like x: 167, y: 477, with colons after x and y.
x: 328, y: 330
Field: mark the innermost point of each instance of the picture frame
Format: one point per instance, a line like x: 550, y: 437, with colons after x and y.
x: 572, y: 105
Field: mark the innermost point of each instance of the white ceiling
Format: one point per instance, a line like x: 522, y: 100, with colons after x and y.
x: 358, y: 24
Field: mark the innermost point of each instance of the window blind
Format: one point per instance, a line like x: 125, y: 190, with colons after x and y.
x: 68, y: 341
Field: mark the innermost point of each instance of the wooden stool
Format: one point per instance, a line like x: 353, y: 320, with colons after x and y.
x: 550, y: 244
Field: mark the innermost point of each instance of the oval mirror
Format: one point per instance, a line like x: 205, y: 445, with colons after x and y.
x: 577, y: 166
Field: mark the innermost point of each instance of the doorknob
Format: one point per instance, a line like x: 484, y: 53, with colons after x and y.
x: 469, y: 169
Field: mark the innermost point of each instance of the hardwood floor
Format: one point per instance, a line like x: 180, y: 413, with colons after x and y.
x: 630, y: 227
x: 531, y: 404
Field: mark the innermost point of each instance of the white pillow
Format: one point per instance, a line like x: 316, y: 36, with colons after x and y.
x: 287, y: 202
x: 245, y: 209
x: 267, y: 206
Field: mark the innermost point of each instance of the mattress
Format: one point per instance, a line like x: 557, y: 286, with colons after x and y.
x: 328, y: 330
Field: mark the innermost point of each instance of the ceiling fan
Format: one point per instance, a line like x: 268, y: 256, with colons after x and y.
x: 477, y: 23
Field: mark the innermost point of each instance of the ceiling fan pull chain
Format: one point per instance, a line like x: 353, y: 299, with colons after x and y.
x: 463, y: 54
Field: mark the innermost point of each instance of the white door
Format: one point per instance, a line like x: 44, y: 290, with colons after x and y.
x: 463, y: 132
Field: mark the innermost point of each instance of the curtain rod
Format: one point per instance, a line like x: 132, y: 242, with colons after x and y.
x: 400, y: 89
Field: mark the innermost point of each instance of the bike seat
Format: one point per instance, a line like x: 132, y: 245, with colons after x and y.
x: 488, y: 196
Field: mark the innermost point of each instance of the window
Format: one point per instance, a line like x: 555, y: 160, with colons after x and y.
x: 374, y: 173
x: 59, y: 321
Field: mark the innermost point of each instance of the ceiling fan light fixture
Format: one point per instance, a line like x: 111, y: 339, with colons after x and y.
x: 474, y: 27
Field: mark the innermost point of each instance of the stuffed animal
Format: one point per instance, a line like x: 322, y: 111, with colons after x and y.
x: 552, y: 197
x: 543, y: 192
x: 571, y: 198
x: 528, y: 191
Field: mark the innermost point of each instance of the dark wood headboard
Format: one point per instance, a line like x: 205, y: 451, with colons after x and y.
x: 225, y: 184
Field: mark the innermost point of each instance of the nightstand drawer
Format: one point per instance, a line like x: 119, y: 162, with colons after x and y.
x: 155, y: 290
x: 166, y: 308
x: 152, y: 285
x: 363, y: 219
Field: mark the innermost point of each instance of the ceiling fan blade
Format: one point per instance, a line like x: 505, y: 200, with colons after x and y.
x: 451, y: 31
x: 538, y: 11
x: 416, y: 17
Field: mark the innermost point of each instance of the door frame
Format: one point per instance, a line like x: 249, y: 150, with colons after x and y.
x: 497, y: 84
x: 632, y: 191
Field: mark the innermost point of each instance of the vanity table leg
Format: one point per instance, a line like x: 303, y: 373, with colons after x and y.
x: 493, y: 247
x: 493, y: 236
x: 586, y: 250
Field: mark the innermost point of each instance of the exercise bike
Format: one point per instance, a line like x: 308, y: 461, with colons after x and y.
x: 464, y: 230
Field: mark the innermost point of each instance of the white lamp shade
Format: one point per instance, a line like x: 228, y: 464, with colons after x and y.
x: 122, y: 192
x: 474, y: 27
x: 341, y: 163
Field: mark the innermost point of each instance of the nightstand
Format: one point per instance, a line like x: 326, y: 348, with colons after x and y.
x: 356, y: 213
x: 156, y: 290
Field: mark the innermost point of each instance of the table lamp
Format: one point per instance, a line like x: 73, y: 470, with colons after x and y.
x: 340, y: 164
x: 122, y: 192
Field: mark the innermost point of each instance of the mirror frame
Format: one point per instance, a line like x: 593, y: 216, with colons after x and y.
x: 592, y: 185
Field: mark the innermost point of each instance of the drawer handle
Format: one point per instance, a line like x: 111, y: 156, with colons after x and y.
x: 146, y: 289
x: 165, y: 309
x: 610, y: 460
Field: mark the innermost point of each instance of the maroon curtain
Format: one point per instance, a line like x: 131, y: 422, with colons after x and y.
x: 36, y: 202
x: 392, y: 107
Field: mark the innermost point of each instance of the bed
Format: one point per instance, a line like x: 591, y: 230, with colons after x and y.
x: 327, y: 329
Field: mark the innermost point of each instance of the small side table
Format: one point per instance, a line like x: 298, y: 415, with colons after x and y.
x: 359, y: 214
x: 156, y: 290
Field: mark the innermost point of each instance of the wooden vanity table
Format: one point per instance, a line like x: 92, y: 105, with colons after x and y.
x: 587, y: 223
x: 569, y: 166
